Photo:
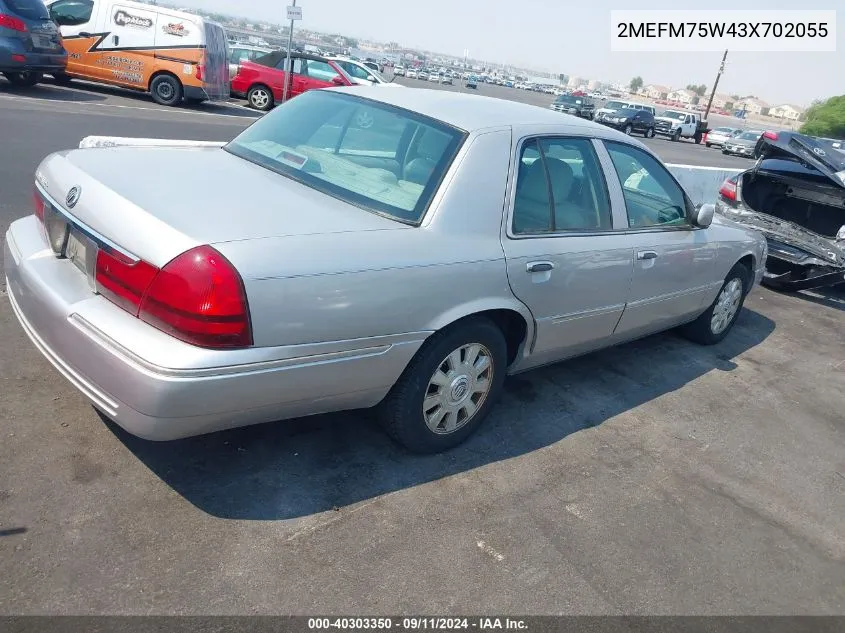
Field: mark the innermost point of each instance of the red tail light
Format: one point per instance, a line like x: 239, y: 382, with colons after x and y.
x: 772, y: 136
x: 198, y: 297
x: 10, y: 22
x: 38, y: 204
x: 200, y: 72
x: 728, y: 189
x: 123, y: 281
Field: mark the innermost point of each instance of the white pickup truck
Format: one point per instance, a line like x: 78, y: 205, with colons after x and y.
x: 678, y: 124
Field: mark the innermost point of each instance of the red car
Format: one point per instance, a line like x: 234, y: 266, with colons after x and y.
x: 262, y: 80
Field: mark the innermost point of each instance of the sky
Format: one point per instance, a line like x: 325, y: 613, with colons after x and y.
x: 566, y: 36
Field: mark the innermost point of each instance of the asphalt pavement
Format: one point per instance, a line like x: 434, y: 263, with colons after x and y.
x: 656, y: 478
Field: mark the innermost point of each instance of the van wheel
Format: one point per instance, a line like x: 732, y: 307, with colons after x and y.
x: 714, y: 325
x: 448, y: 388
x: 166, y: 90
x: 25, y: 79
x: 260, y: 97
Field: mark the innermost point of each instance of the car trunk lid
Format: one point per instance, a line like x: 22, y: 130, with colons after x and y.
x: 814, y: 152
x: 157, y: 202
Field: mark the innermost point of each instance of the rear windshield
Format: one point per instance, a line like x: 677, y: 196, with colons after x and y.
x: 750, y: 136
x: 383, y: 159
x: 28, y: 9
x: 615, y: 105
x: 570, y: 99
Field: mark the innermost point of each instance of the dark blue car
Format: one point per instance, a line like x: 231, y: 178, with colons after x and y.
x: 30, y: 43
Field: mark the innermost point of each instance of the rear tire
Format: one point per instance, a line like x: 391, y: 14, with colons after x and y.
x: 649, y: 133
x: 260, y: 97
x: 24, y: 79
x: 448, y: 389
x: 715, y: 323
x: 166, y: 90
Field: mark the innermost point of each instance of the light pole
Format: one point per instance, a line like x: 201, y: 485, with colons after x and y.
x: 288, y: 69
x: 715, y: 85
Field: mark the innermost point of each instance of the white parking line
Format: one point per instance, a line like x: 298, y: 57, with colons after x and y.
x: 129, y: 107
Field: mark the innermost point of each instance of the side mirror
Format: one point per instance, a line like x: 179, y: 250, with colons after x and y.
x: 338, y: 81
x: 370, y: 78
x: 704, y: 214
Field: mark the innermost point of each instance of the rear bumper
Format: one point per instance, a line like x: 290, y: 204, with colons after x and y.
x: 87, y: 339
x: 12, y: 60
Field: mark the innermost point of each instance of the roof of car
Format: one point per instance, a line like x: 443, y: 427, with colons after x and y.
x: 467, y: 111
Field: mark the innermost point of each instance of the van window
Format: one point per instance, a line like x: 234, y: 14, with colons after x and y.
x: 71, y: 12
x: 28, y: 9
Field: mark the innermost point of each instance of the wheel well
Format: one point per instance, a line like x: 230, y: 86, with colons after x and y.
x: 511, y: 323
x: 159, y: 73
x: 748, y: 262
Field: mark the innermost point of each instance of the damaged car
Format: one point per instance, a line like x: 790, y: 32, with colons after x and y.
x: 794, y: 195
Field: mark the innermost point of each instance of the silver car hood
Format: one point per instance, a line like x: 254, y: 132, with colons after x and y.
x: 155, y: 201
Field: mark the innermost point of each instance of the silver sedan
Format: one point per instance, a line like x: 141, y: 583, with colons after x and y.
x: 400, y: 249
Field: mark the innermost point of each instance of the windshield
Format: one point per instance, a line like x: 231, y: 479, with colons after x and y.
x: 672, y: 114
x: 723, y: 130
x: 615, y: 105
x: 380, y: 158
x: 28, y: 9
x: 749, y: 136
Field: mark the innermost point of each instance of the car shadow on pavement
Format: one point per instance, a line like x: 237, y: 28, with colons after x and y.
x: 295, y: 468
x: 49, y: 92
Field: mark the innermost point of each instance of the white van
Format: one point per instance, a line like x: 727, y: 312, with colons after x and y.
x: 171, y: 54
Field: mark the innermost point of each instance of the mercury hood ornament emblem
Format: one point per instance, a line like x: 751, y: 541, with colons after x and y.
x: 73, y: 197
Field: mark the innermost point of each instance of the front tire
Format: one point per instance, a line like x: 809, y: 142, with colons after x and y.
x: 715, y: 323
x: 697, y: 138
x: 628, y: 129
x: 260, y: 97
x: 708, y: 145
x: 676, y: 135
x: 448, y: 388
x: 24, y: 79
x: 166, y: 90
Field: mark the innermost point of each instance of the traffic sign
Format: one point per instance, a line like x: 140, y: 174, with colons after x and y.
x: 294, y: 13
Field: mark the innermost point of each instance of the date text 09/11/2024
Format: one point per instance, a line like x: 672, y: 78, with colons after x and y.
x: 417, y: 624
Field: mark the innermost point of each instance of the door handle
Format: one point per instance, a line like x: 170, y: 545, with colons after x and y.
x: 539, y: 267
x: 646, y: 254
x: 115, y: 39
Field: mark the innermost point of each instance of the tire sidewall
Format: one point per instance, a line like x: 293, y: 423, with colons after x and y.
x: 649, y: 133
x: 412, y: 431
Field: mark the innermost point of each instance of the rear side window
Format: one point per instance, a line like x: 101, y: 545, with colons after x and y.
x: 28, y: 9
x: 560, y: 187
x: 71, y: 12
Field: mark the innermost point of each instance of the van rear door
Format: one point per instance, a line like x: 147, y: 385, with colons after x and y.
x: 216, y: 71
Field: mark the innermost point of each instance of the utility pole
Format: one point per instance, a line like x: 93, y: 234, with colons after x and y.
x: 288, y: 69
x: 715, y: 85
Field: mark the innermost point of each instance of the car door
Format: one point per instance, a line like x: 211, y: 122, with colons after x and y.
x: 276, y: 78
x: 565, y: 260
x: 317, y: 74
x: 77, y: 21
x: 674, y: 262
